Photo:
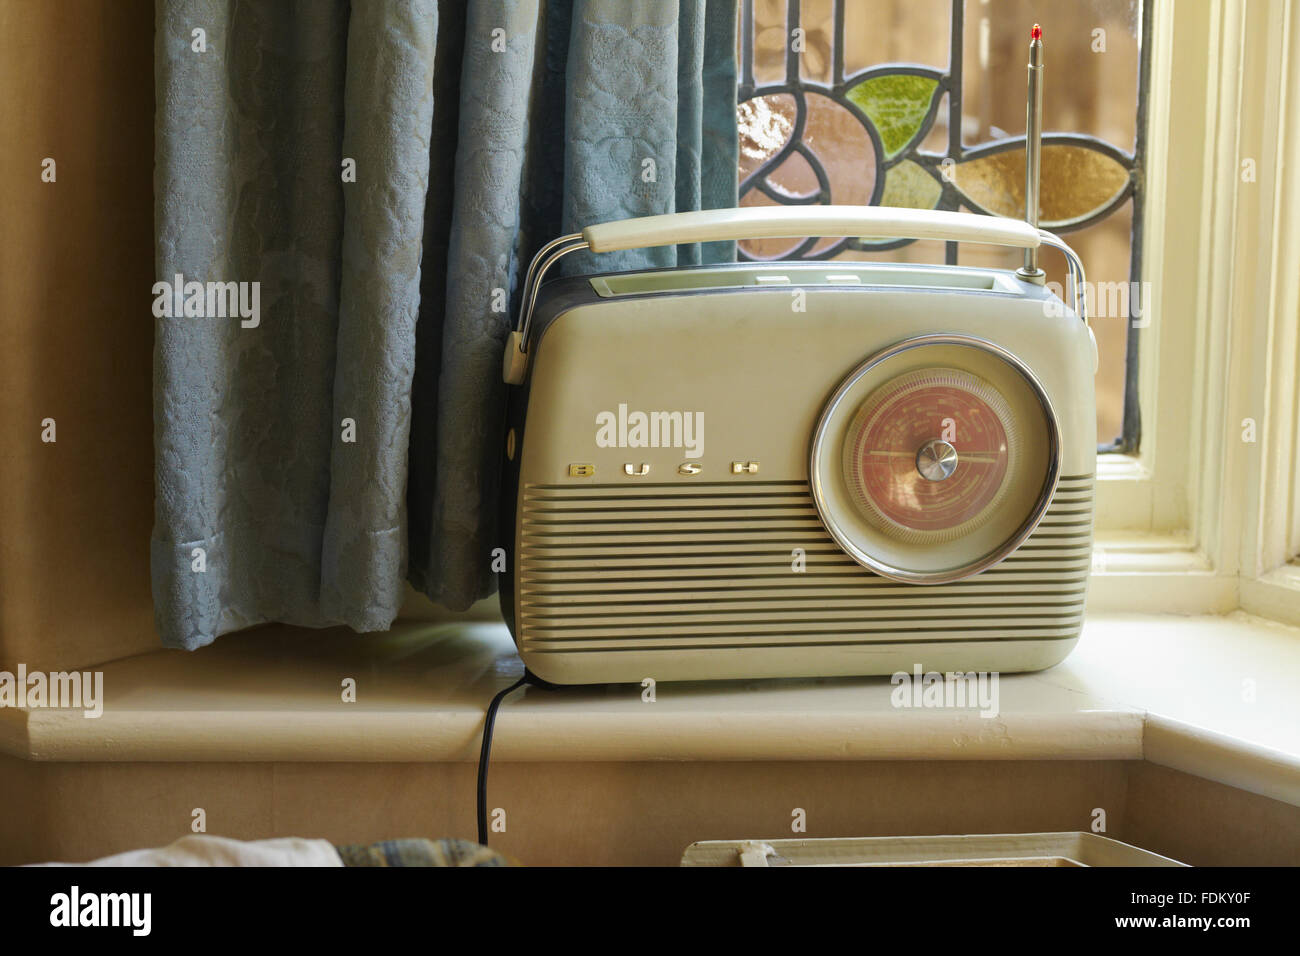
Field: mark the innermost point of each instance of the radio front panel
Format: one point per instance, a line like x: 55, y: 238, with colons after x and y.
x: 675, y: 516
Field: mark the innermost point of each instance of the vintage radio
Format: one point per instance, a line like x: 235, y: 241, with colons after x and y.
x: 787, y: 469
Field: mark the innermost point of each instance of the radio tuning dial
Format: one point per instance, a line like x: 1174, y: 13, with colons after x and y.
x: 913, y: 485
x: 936, y: 460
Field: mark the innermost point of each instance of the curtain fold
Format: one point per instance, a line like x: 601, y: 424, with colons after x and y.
x: 309, y: 462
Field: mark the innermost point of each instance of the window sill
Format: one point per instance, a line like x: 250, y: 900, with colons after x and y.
x: 1159, y: 687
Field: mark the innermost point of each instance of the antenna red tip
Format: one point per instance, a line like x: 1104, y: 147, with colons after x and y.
x: 1036, y: 33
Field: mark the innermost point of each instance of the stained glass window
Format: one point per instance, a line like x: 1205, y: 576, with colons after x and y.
x: 921, y: 103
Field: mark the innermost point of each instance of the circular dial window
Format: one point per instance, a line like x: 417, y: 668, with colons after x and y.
x: 935, y: 458
x: 927, y: 455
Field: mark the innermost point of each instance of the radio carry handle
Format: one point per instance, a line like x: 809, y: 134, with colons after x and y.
x: 757, y: 222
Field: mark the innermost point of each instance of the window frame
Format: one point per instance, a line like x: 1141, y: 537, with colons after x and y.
x: 1268, y: 347
x: 1190, y: 520
x: 1187, y: 523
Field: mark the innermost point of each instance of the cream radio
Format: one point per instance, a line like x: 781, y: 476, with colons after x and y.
x: 790, y: 469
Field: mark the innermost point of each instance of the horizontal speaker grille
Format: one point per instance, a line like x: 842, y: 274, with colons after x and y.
x: 712, y: 565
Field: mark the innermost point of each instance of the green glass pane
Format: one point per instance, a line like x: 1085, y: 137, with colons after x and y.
x: 897, y: 104
x: 909, y: 186
x: 1077, y: 182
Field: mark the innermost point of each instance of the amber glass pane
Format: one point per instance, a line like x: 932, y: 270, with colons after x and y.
x: 1076, y: 182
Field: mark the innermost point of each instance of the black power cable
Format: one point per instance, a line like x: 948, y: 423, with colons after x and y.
x: 489, y: 721
x: 485, y: 754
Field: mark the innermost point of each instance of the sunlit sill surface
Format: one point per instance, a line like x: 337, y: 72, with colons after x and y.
x: 1209, y: 695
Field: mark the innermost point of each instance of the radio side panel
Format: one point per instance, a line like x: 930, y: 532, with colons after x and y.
x: 678, y: 559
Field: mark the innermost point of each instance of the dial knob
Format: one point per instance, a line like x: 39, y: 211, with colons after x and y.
x: 936, y: 460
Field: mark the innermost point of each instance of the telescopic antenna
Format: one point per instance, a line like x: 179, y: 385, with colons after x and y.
x: 1033, y: 146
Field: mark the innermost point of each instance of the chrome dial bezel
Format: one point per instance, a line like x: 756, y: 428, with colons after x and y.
x: 846, y: 392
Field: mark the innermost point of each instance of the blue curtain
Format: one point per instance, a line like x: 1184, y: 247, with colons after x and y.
x: 346, y: 194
